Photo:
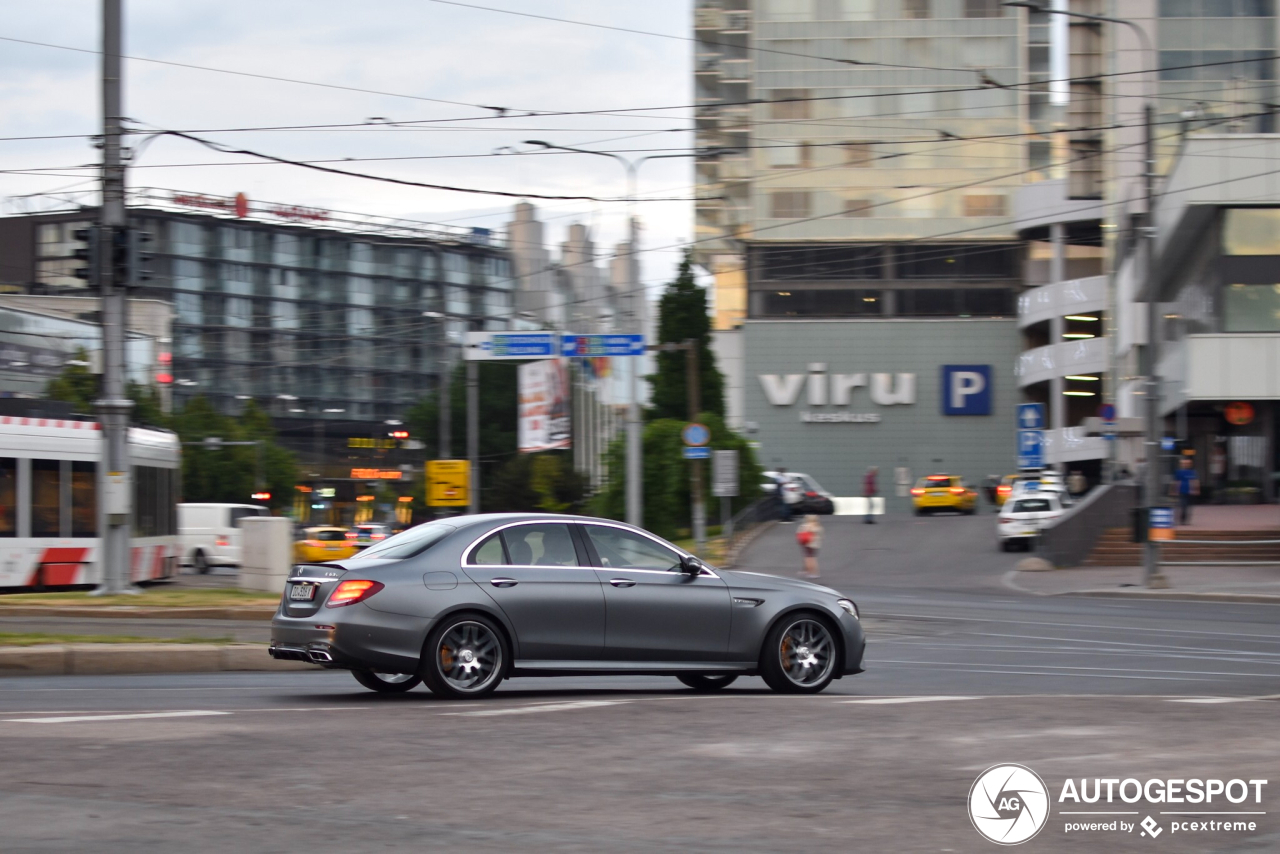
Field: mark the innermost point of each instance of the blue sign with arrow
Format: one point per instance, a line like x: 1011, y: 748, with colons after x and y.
x: 1030, y: 416
x: 601, y: 345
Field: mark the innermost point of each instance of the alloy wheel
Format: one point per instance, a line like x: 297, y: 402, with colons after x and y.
x: 469, y: 657
x: 806, y: 652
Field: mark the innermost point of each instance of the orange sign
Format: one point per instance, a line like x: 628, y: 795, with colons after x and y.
x: 1238, y: 413
x: 376, y: 474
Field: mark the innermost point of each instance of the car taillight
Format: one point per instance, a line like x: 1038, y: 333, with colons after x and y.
x: 917, y: 491
x: 1004, y: 490
x: 351, y: 592
x: 350, y: 536
x: 223, y: 541
x: 1006, y: 520
x: 811, y: 495
x: 379, y: 536
x: 957, y: 490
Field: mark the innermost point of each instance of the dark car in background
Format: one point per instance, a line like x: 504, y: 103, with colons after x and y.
x: 464, y: 603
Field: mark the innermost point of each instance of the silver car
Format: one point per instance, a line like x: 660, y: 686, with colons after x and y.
x: 464, y: 603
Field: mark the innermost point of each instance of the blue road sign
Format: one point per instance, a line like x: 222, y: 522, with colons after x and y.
x: 1107, y: 412
x: 1162, y: 517
x: 510, y: 345
x: 695, y: 434
x: 966, y: 389
x: 1030, y: 449
x: 1167, y: 443
x: 697, y: 453
x: 601, y: 345
x: 1030, y: 416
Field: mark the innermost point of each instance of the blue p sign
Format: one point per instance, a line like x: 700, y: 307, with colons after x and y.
x: 966, y: 389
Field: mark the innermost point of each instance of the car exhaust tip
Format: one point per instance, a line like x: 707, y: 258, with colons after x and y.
x: 319, y: 656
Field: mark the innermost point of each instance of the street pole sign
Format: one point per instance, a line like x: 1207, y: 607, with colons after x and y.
x: 1030, y: 416
x: 483, y: 346
x: 695, y: 453
x: 1030, y: 449
x: 448, y: 483
x: 724, y: 474
x: 601, y: 345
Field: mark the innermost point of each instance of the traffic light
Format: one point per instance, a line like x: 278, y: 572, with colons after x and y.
x: 119, y: 257
x: 139, y: 257
x: 88, y: 253
x: 399, y: 434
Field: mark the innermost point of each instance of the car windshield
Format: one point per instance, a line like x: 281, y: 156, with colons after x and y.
x: 1032, y: 505
x: 328, y: 536
x: 408, y: 543
x: 935, y: 482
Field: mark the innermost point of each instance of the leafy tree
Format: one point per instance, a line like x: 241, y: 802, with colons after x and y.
x: 80, y: 387
x: 682, y: 315
x: 531, y: 483
x: 230, y: 473
x: 667, y: 505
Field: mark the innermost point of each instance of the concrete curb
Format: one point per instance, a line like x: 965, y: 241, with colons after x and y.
x: 1008, y: 580
x: 103, y: 659
x: 129, y: 612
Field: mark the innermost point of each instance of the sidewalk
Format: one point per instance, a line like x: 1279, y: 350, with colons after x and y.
x: 1260, y: 584
x: 1231, y: 517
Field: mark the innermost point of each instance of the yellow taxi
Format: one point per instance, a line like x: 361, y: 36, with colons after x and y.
x: 321, y: 544
x: 943, y: 492
x: 1007, y: 484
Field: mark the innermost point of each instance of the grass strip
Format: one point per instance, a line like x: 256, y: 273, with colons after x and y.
x: 38, y: 638
x: 151, y: 597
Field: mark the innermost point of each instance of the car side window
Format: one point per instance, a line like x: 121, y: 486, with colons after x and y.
x: 540, y: 545
x: 489, y: 553
x: 620, y: 548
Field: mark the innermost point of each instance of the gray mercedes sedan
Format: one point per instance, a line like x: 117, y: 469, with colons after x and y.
x: 464, y: 603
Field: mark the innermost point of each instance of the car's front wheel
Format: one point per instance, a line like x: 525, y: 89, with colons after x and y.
x: 698, y: 682
x: 799, y: 655
x: 465, y: 657
x: 387, y: 683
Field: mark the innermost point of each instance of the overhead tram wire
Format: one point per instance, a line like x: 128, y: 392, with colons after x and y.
x: 504, y: 113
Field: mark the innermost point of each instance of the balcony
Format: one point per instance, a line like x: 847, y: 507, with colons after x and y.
x: 735, y: 71
x: 737, y: 22
x: 1066, y: 358
x: 707, y: 65
x: 708, y: 19
x: 1075, y: 296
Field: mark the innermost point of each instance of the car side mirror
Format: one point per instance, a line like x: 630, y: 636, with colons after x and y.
x: 690, y: 565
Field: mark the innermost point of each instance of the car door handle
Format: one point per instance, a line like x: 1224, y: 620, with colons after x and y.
x: 503, y: 582
x: 622, y: 582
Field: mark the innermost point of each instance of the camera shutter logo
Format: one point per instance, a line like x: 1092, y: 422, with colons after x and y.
x: 1008, y: 804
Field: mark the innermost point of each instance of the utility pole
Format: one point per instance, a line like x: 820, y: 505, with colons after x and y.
x: 1152, y: 575
x: 635, y: 435
x: 115, y: 482
x: 693, y: 374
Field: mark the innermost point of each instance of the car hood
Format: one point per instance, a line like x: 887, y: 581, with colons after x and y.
x: 743, y: 581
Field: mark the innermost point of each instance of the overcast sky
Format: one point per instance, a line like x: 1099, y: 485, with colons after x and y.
x: 418, y: 48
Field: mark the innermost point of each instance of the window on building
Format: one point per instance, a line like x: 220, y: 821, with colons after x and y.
x: 859, y: 153
x: 1251, y: 231
x: 8, y: 497
x: 1217, y: 8
x: 917, y: 9
x: 789, y: 104
x: 958, y: 261
x: 857, y: 207
x: 1251, y: 308
x: 823, y: 263
x: 983, y: 8
x: 926, y: 302
x: 1040, y: 155
x: 238, y: 311
x: 784, y: 155
x: 986, y: 302
x: 790, y: 204
x: 189, y: 308
x: 456, y: 269
x: 986, y: 204
x: 822, y: 303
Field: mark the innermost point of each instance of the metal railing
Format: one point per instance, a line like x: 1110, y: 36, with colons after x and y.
x: 745, y: 525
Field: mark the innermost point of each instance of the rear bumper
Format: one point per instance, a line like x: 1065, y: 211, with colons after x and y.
x: 350, y: 638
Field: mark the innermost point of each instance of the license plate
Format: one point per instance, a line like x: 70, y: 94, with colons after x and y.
x: 302, y: 592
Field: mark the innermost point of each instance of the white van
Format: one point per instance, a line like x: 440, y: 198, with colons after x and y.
x: 210, y: 533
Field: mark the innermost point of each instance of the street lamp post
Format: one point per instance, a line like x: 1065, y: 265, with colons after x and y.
x: 1151, y: 554
x: 635, y: 463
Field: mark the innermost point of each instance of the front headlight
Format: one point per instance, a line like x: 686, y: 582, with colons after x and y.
x: 849, y: 607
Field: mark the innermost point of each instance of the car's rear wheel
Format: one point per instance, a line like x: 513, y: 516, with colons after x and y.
x: 200, y: 563
x: 387, y: 683
x: 698, y: 682
x: 465, y: 657
x: 799, y: 655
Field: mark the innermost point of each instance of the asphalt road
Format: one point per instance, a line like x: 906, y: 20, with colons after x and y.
x: 962, y: 674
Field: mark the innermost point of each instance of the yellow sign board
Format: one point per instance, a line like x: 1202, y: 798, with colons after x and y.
x: 448, y: 483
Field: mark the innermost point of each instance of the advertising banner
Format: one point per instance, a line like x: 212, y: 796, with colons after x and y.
x: 544, y: 406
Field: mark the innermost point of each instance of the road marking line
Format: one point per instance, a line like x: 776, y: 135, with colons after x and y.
x: 884, y: 701
x: 80, y: 718
x: 1220, y: 699
x: 544, y: 707
x: 966, y: 619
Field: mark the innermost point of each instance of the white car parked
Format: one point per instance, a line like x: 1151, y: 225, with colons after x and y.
x: 210, y: 533
x: 1024, y: 516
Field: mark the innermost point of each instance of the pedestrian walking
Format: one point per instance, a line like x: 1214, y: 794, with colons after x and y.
x: 784, y: 509
x: 1187, y: 485
x: 870, y: 489
x: 809, y: 536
